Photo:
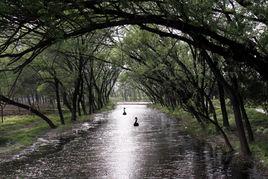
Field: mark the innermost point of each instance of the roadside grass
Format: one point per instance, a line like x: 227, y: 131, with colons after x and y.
x: 187, y: 122
x: 259, y: 123
x: 110, y: 106
x: 20, y: 131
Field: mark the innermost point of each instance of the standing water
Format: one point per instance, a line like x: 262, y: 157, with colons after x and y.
x: 113, y: 148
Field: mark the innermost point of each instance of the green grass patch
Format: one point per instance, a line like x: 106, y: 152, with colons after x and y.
x: 20, y: 131
x: 23, y: 130
x: 257, y: 118
x: 259, y: 122
x: 260, y: 150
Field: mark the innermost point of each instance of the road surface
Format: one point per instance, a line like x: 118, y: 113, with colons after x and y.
x: 114, y: 148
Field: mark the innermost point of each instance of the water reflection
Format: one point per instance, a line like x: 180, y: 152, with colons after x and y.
x: 121, y: 144
x: 113, y: 148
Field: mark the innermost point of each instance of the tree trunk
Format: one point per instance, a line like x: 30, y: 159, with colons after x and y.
x: 243, y: 111
x: 37, y: 100
x: 247, y: 123
x: 2, y: 112
x: 81, y: 99
x: 75, y: 99
x: 240, y: 127
x: 73, y: 117
x: 51, y: 101
x: 29, y: 108
x: 65, y: 100
x: 223, y: 106
x: 57, y: 90
x: 89, y: 95
x: 83, y: 105
x: 29, y: 100
x: 244, y: 147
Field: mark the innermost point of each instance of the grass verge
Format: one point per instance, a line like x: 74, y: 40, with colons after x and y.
x: 20, y: 131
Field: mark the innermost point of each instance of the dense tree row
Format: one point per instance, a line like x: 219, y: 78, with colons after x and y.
x: 72, y: 73
x: 177, y: 74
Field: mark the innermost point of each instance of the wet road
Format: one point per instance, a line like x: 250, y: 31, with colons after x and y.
x: 114, y: 148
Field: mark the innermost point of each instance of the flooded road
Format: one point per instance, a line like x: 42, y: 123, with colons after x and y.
x: 113, y: 148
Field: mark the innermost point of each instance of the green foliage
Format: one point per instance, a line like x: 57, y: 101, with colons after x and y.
x: 257, y: 118
x: 260, y: 150
x: 21, y: 129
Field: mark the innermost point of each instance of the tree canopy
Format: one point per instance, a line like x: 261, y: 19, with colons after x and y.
x: 236, y: 30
